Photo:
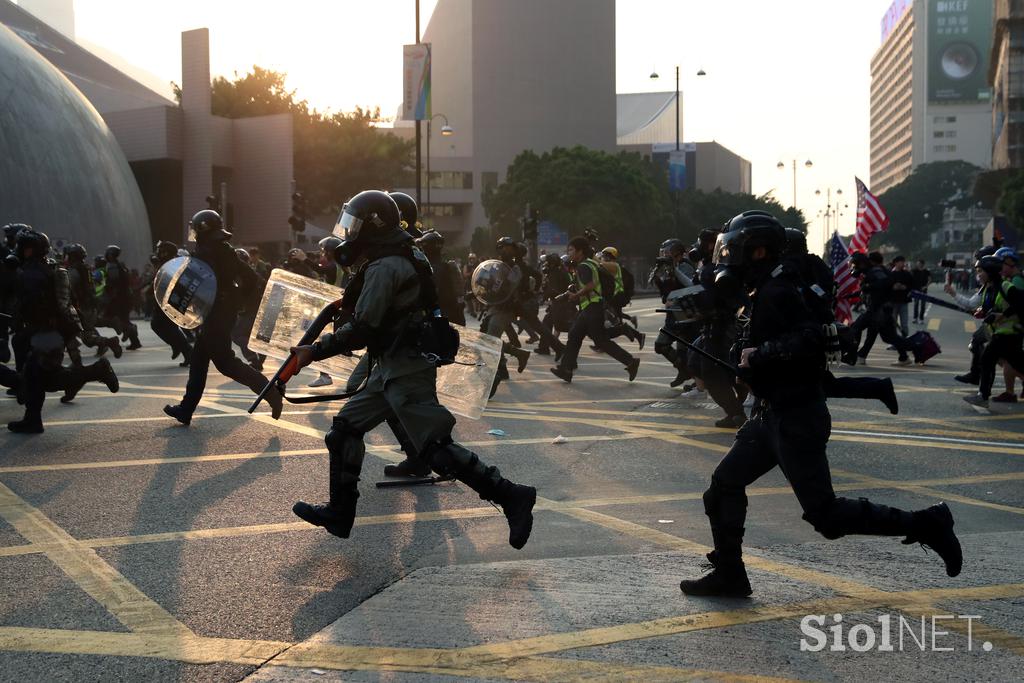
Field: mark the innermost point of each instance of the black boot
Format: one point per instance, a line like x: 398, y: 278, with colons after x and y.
x: 517, y: 503
x: 179, y: 413
x: 731, y: 421
x: 632, y: 368
x: 564, y: 375
x: 682, y: 374
x: 101, y: 371
x: 725, y: 580
x: 933, y: 527
x: 186, y: 357
x: 133, y: 336
x: 114, y: 345
x: 889, y: 397
x: 26, y: 426
x: 336, y: 517
x: 968, y: 378
x: 410, y: 467
x: 521, y: 355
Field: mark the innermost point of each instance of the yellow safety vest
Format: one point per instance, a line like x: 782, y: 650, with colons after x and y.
x: 595, y: 294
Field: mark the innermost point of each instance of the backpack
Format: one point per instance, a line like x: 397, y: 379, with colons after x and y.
x: 628, y: 284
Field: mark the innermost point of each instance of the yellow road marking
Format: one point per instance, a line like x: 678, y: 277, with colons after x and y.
x: 858, y: 483
x: 934, y: 493
x: 97, y: 578
x: 934, y: 324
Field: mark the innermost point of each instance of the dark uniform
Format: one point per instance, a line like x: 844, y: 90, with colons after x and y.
x: 119, y: 298
x: 163, y: 326
x: 560, y: 312
x: 390, y: 291
x: 213, y: 343
x: 784, y: 363
x: 450, y: 287
x: 83, y: 298
x: 879, y: 316
x: 8, y: 286
x: 44, y: 314
x: 667, y: 276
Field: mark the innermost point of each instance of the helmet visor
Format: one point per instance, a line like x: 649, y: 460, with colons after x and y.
x: 347, y: 227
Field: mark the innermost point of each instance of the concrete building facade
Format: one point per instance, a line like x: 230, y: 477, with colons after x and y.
x: 929, y: 99
x: 510, y: 77
x: 1006, y: 77
x: 178, y: 154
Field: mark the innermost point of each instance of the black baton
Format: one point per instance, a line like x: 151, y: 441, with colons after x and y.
x: 714, y: 359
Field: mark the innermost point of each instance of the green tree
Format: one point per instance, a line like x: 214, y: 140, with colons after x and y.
x: 915, y: 206
x: 624, y: 196
x: 335, y: 154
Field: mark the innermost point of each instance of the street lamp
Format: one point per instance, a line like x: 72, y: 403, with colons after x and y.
x: 832, y: 213
x: 781, y: 166
x: 654, y: 76
x: 446, y: 131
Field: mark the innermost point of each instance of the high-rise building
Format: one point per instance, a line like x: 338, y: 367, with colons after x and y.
x: 1006, y: 76
x: 930, y: 99
x: 510, y: 77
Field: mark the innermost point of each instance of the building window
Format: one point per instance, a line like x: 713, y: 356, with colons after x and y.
x: 442, y: 210
x: 939, y: 134
x: 945, y: 149
x: 451, y: 180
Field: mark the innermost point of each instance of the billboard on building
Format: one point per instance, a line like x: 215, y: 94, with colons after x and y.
x: 959, y: 40
x: 893, y: 15
x: 416, y: 82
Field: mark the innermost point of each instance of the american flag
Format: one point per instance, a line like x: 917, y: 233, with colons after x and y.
x: 846, y: 283
x: 871, y: 218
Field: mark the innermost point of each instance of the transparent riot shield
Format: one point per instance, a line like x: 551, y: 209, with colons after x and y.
x: 185, y: 288
x: 494, y: 282
x: 290, y: 304
x: 686, y: 304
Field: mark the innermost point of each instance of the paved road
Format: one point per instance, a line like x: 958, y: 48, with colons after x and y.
x: 135, y: 549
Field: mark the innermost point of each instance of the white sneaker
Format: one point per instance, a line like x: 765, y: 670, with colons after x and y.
x: 694, y: 393
x: 322, y: 381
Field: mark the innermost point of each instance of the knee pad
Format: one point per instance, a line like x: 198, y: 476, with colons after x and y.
x: 341, y: 431
x: 446, y: 457
x: 711, y: 498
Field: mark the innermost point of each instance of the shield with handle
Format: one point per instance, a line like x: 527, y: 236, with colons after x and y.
x: 185, y: 288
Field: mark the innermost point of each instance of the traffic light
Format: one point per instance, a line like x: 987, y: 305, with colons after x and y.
x: 297, y: 220
x: 530, y: 225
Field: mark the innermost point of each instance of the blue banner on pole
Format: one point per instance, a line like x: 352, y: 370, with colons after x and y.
x: 677, y: 170
x: 550, y: 235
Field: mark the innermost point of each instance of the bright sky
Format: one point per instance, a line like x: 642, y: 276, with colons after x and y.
x: 786, y: 79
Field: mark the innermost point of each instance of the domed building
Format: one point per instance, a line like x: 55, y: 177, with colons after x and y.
x: 61, y: 170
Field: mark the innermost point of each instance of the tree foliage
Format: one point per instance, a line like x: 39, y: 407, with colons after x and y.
x: 335, y: 154
x: 1011, y: 202
x: 915, y: 206
x: 624, y: 196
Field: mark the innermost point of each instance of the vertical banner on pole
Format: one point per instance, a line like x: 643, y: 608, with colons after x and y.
x: 416, y: 82
x: 677, y: 170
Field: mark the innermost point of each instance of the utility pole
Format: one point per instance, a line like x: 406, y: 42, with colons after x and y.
x: 419, y: 158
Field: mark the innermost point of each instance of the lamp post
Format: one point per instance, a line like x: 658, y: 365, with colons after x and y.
x: 832, y: 213
x: 446, y: 131
x: 781, y: 166
x: 654, y: 76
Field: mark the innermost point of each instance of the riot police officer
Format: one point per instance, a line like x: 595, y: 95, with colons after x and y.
x: 164, y: 327
x: 560, y: 311
x: 213, y: 343
x: 119, y: 298
x: 783, y: 359
x: 446, y: 275
x: 44, y: 310
x: 83, y: 297
x: 671, y: 272
x: 8, y: 286
x: 500, y: 314
x: 390, y: 300
x: 879, y: 316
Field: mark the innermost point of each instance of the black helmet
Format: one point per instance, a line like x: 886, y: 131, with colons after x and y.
x: 165, y: 251
x: 207, y: 225
x: 987, y: 250
x: 75, y: 253
x: 504, y: 242
x: 432, y: 242
x: 551, y: 261
x: 11, y: 231
x: 991, y: 264
x: 98, y: 262
x: 747, y: 232
x: 672, y: 246
x: 112, y: 252
x: 32, y: 240
x: 369, y: 217
x: 329, y: 244
x: 796, y: 242
x: 407, y: 208
x: 11, y: 262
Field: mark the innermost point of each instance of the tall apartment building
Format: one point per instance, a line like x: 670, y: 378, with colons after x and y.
x: 1006, y: 76
x: 930, y: 99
